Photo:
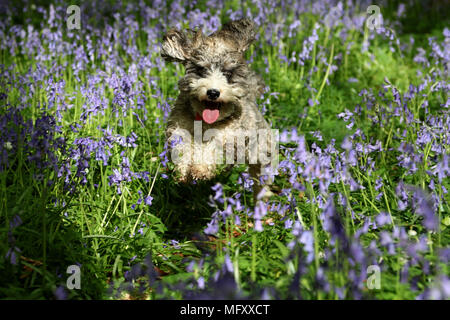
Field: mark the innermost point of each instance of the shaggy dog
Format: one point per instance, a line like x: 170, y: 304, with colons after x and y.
x: 216, y: 107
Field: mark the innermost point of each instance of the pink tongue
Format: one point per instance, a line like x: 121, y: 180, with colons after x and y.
x: 210, y: 116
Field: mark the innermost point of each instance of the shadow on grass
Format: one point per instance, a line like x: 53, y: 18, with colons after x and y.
x: 184, y: 208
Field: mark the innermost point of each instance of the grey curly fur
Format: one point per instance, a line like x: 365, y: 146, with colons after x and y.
x: 215, y: 60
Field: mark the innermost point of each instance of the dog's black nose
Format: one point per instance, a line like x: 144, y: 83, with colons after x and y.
x: 213, y: 94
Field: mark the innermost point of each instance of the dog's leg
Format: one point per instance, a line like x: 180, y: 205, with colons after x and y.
x: 255, y: 170
x: 180, y: 142
x: 208, y: 153
x: 206, y: 158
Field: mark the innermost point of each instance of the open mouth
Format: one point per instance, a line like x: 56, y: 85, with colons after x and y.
x: 212, y: 104
x: 212, y: 111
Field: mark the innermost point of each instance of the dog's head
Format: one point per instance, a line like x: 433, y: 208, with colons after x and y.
x: 216, y: 72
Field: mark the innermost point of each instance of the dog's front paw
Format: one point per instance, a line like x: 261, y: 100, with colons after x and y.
x: 203, y: 171
x: 182, y: 179
x: 182, y: 174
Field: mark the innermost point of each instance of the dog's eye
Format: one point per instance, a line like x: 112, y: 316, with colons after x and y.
x: 200, y: 71
x: 228, y: 74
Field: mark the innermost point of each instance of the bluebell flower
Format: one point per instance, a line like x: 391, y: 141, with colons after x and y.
x: 60, y: 293
x: 148, y: 200
x: 382, y: 219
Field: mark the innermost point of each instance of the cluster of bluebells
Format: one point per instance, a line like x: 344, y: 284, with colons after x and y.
x: 111, y: 70
x: 333, y: 172
x: 38, y: 142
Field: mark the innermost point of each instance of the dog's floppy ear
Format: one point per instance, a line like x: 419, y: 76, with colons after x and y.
x: 177, y: 45
x: 242, y: 32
